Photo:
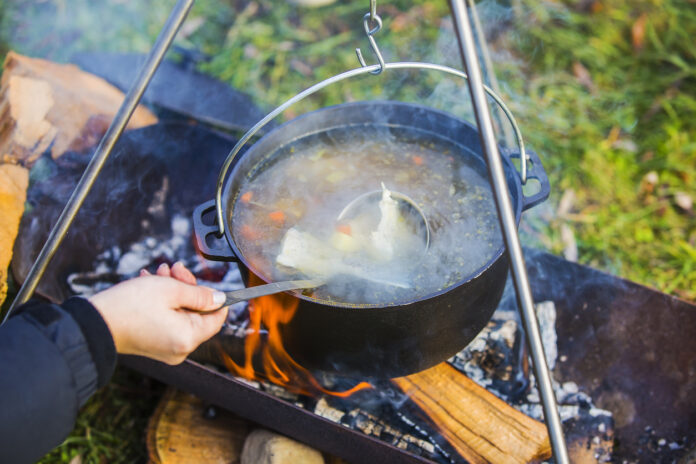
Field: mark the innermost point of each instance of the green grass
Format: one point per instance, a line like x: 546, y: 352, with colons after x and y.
x: 604, y: 91
x: 111, y: 426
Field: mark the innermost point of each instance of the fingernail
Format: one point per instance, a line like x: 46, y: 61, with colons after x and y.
x: 219, y: 298
x: 178, y: 263
x: 163, y: 266
x: 144, y: 272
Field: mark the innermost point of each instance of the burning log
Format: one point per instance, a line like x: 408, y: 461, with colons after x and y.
x: 14, y: 181
x: 47, y: 106
x: 480, y: 426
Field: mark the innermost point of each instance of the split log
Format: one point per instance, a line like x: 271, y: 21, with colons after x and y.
x: 266, y: 447
x: 478, y: 425
x: 14, y: 181
x: 49, y: 106
x: 178, y: 432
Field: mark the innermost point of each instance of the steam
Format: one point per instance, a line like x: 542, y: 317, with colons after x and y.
x: 312, y: 180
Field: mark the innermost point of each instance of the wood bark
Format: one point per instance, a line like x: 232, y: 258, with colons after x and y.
x: 477, y: 424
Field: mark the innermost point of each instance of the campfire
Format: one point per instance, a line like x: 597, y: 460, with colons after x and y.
x: 403, y: 412
x: 482, y: 404
x: 265, y: 315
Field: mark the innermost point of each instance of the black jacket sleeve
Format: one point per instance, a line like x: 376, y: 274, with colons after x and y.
x: 52, y: 358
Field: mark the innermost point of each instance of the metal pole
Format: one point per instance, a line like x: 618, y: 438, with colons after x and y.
x: 490, y: 71
x: 130, y: 102
x: 507, y: 221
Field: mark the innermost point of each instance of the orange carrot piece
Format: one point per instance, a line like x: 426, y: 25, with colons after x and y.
x: 249, y: 232
x: 246, y: 198
x: 417, y: 160
x: 277, y: 216
x: 344, y: 229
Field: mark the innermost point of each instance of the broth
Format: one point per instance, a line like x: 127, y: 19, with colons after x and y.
x: 299, y: 190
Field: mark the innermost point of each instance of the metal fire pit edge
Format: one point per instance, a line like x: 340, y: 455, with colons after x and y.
x: 271, y: 412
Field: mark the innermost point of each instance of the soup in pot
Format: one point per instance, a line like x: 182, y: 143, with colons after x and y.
x: 287, y: 216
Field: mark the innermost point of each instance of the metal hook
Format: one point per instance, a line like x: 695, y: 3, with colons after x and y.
x: 373, y: 44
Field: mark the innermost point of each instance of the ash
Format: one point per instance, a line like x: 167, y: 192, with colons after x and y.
x: 496, y: 359
x: 115, y: 265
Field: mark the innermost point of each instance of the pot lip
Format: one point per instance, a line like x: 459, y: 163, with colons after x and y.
x: 385, y: 103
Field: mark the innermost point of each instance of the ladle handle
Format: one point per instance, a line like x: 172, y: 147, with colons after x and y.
x: 208, y: 240
x: 535, y: 171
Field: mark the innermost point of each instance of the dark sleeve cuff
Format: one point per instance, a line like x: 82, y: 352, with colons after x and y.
x: 97, y: 334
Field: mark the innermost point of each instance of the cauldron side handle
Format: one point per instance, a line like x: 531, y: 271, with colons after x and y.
x: 535, y: 170
x: 208, y: 240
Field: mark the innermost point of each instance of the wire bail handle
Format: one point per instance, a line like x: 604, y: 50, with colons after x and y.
x: 369, y: 17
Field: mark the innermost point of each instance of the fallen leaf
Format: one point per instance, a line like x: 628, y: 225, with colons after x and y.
x: 583, y: 76
x: 570, y: 246
x: 684, y: 201
x: 301, y: 67
x: 638, y: 32
x: 565, y: 205
x: 626, y: 145
x: 613, y: 136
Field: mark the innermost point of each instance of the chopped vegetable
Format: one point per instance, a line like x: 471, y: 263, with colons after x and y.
x: 277, y: 217
x: 417, y: 160
x: 249, y: 232
x: 246, y: 198
x: 344, y: 229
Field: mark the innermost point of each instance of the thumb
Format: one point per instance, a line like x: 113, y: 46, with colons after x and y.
x: 198, y: 298
x: 210, y: 324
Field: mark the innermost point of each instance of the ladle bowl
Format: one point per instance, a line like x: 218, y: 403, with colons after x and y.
x: 408, y: 209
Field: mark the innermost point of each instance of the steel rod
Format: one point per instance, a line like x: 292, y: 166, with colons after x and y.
x: 130, y: 102
x: 490, y: 70
x: 525, y: 302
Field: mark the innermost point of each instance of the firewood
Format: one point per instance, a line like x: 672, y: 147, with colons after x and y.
x: 46, y: 106
x: 478, y: 425
x: 14, y: 181
x: 178, y: 432
x: 266, y: 447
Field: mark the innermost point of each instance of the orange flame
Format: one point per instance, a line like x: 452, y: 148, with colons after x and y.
x: 278, y: 365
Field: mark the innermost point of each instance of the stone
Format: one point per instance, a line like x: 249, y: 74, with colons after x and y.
x: 265, y: 447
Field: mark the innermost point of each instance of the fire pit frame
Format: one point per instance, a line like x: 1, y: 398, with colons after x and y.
x: 277, y: 414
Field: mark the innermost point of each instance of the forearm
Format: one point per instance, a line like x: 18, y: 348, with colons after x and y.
x: 51, y: 360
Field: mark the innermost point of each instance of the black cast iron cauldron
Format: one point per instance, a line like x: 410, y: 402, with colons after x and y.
x: 385, y: 341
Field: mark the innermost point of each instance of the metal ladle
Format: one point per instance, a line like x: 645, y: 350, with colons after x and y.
x: 250, y: 293
x: 408, y: 208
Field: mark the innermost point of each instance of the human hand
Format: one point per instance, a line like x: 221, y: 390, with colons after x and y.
x: 164, y: 316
